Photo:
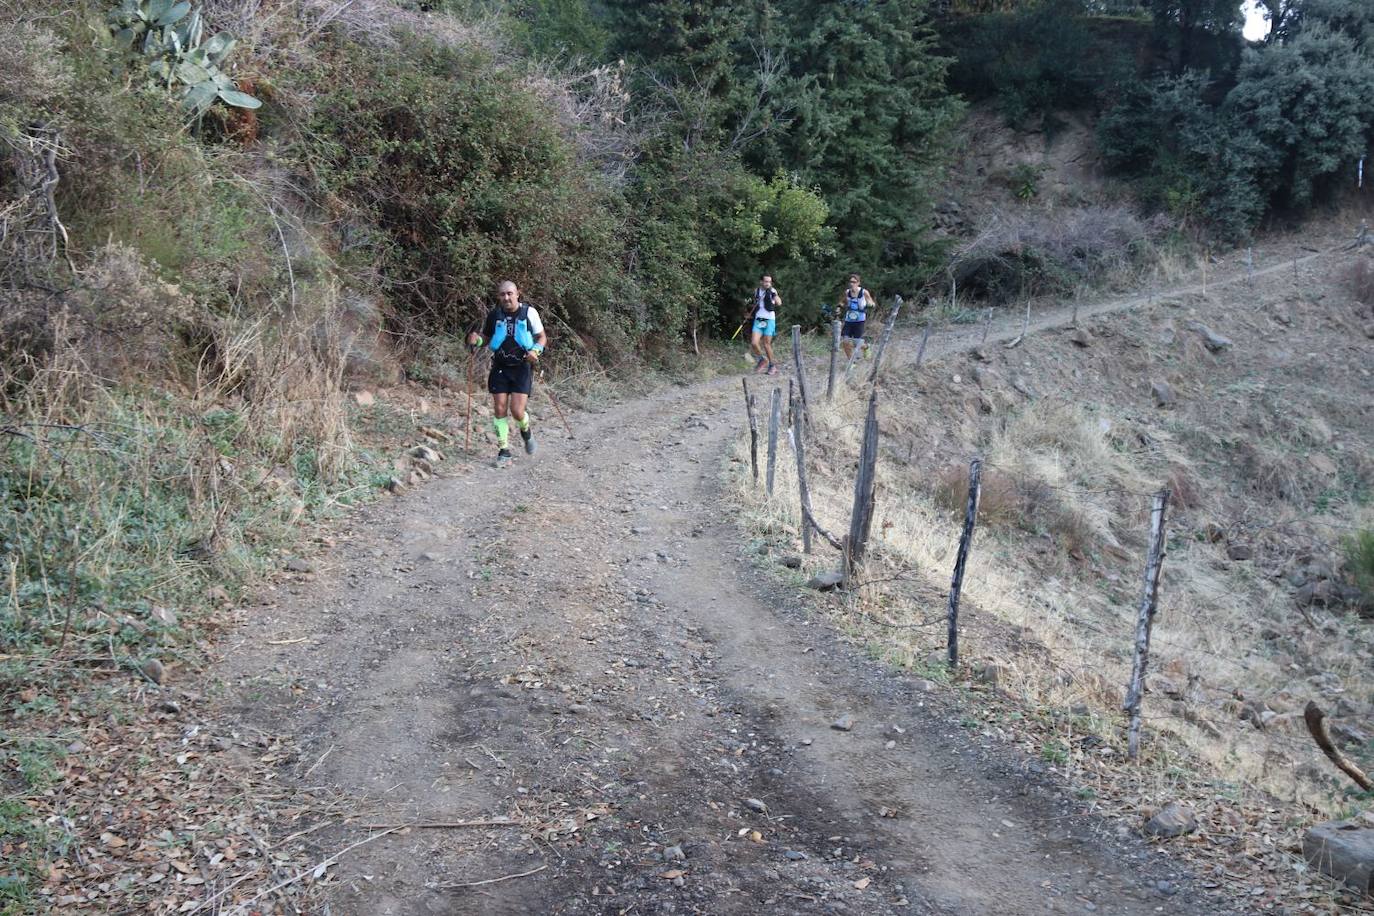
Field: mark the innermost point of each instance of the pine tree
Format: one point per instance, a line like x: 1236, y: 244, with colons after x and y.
x: 870, y: 114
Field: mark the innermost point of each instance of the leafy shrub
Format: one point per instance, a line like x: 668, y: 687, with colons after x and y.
x: 1359, y: 563
x: 1035, y: 60
x: 468, y: 180
x: 167, y: 37
x: 1299, y: 113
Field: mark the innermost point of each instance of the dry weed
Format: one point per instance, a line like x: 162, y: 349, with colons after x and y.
x: 1359, y: 280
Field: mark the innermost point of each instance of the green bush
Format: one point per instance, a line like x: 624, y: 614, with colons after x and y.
x: 1037, y: 60
x: 1359, y: 563
x: 467, y: 178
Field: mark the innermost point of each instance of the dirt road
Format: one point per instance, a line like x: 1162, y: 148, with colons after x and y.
x: 583, y: 649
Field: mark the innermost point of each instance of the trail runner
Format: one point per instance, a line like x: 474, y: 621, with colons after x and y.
x: 763, y: 306
x: 515, y: 335
x: 853, y: 305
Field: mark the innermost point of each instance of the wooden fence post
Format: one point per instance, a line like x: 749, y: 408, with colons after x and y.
x: 834, y: 357
x: 925, y: 338
x: 865, y: 483
x: 753, y: 430
x: 956, y: 582
x: 1149, y: 603
x: 774, y: 419
x: 799, y: 449
x: 800, y: 369
x: 882, y: 341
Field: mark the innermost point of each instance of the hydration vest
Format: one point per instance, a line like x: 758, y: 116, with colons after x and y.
x: 507, y: 347
x: 856, y: 306
x: 763, y: 300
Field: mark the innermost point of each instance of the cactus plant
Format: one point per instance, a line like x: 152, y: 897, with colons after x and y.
x: 168, y: 34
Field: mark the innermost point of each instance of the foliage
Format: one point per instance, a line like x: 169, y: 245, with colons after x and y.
x: 1359, y: 562
x: 867, y: 136
x: 1035, y: 60
x: 847, y: 100
x: 557, y: 29
x: 1297, y: 113
x: 1197, y: 34
x: 467, y: 179
x: 1307, y: 105
x: 168, y: 37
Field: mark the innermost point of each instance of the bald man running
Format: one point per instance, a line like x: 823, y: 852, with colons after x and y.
x: 515, y: 335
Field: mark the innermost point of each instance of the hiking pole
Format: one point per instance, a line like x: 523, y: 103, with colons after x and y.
x: 737, y: 330
x: 472, y: 361
x: 553, y: 398
x: 467, y: 429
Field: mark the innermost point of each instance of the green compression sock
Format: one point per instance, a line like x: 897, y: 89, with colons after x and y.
x: 524, y: 422
x: 502, y: 427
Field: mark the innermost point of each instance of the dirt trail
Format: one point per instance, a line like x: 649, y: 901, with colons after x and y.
x: 581, y: 644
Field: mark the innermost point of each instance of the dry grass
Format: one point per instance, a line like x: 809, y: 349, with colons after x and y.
x: 1053, y: 583
x: 1359, y: 280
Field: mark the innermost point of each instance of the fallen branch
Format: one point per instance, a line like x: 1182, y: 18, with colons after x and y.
x: 1313, y: 716
x: 523, y: 874
x: 816, y: 526
x: 246, y: 905
x: 444, y: 825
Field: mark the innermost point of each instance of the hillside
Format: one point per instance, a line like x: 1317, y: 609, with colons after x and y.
x: 1262, y: 441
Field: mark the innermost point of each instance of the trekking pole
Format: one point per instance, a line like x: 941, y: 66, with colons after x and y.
x: 737, y: 330
x: 472, y: 361
x: 467, y: 429
x: 553, y: 398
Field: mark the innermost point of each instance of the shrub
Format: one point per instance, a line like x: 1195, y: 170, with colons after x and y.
x: 1028, y: 253
x: 1359, y: 280
x: 468, y: 179
x: 1022, y: 502
x: 1359, y: 563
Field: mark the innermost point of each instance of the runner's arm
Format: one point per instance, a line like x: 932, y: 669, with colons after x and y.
x: 477, y: 338
x: 541, y: 339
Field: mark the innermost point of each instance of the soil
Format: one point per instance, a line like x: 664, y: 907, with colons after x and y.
x: 584, y: 646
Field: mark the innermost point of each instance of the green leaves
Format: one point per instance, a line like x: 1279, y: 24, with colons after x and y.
x: 239, y: 99
x: 167, y: 35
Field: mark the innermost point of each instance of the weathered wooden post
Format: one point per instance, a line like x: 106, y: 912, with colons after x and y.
x: 1149, y: 603
x: 753, y: 430
x: 925, y: 338
x: 774, y: 420
x: 834, y: 357
x: 882, y: 341
x: 800, y: 368
x: 865, y: 483
x: 799, y: 449
x: 956, y: 582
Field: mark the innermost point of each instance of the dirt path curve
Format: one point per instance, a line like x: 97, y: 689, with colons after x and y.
x: 581, y: 645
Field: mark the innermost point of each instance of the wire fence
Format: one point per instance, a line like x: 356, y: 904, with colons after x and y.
x: 1154, y: 700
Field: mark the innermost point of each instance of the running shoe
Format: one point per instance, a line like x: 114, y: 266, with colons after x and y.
x: 528, y: 436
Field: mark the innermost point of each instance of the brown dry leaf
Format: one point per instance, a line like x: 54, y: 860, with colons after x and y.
x: 755, y: 836
x: 862, y: 883
x: 672, y: 873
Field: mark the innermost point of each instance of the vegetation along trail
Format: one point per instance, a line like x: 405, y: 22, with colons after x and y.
x: 578, y: 649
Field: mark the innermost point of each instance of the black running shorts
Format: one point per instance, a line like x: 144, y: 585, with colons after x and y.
x: 518, y: 379
x: 852, y: 330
